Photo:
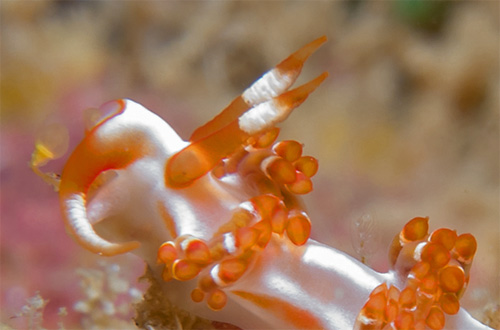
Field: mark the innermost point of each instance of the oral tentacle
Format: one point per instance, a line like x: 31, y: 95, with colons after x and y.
x: 120, y: 137
x: 93, y: 156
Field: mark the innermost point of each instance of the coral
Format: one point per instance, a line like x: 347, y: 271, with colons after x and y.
x: 155, y: 311
x: 108, y: 298
x: 107, y: 302
x: 33, y: 311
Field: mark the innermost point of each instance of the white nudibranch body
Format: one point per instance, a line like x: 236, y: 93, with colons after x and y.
x: 219, y: 220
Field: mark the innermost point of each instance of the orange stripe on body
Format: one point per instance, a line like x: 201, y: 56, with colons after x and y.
x: 92, y: 157
x: 300, y: 318
x: 168, y: 220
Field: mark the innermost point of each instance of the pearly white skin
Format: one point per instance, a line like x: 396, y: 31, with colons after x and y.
x: 129, y: 200
x: 326, y: 284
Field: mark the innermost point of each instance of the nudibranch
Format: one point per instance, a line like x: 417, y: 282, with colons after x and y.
x: 219, y: 220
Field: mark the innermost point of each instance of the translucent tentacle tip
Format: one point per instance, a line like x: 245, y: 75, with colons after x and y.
x: 51, y: 143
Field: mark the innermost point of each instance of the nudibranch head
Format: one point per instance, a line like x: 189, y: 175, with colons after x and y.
x: 214, y: 201
x: 126, y: 133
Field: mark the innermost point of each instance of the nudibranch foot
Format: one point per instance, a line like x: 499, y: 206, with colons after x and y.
x: 435, y: 269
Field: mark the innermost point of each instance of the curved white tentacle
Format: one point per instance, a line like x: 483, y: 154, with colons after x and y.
x: 131, y: 134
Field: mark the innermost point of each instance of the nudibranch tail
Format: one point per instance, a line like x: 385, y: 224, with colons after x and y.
x: 271, y: 84
x: 100, y: 150
x: 436, y: 269
x: 203, y: 155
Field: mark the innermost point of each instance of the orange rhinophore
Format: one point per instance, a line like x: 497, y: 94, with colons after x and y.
x: 260, y: 107
x: 202, y: 155
x: 437, y: 270
x: 270, y: 85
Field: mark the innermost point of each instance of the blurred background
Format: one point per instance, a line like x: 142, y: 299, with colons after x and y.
x: 406, y: 125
